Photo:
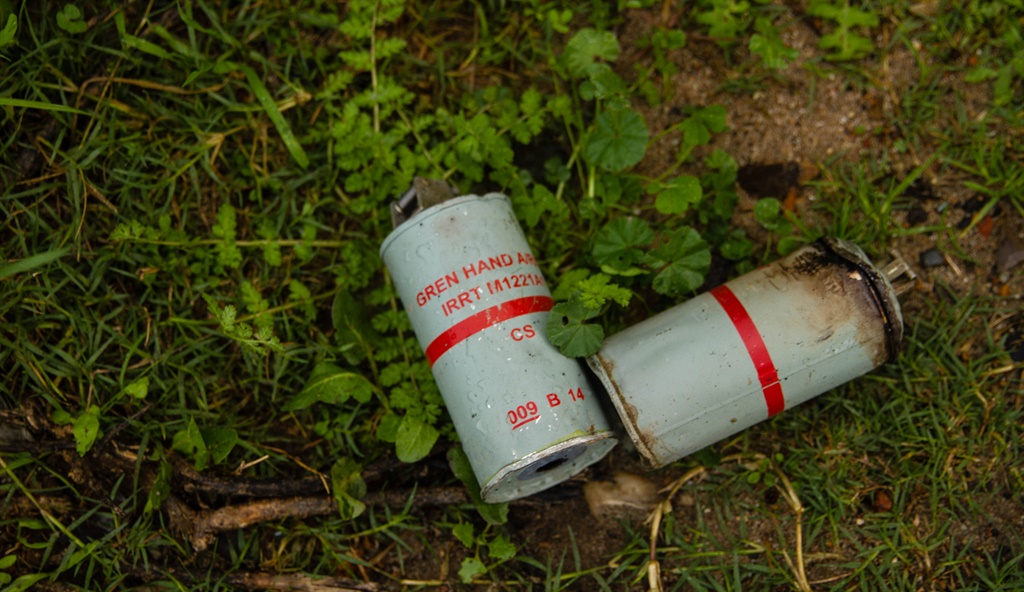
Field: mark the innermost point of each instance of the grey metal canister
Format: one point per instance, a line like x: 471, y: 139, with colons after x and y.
x: 746, y: 350
x: 527, y: 417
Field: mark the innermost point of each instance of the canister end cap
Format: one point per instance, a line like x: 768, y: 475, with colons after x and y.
x: 539, y: 471
x: 882, y: 291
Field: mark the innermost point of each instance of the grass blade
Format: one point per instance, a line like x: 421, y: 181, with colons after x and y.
x: 23, y: 265
x: 268, y: 104
x: 28, y: 104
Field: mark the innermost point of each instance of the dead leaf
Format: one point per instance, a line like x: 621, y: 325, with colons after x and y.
x: 625, y: 493
x: 925, y: 9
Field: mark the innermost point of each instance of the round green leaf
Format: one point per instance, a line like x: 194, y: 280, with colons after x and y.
x: 70, y: 19
x: 684, y: 258
x: 471, y: 568
x: 766, y: 212
x: 501, y: 549
x: 618, y: 243
x: 570, y: 334
x: 86, y: 429
x: 219, y: 442
x: 464, y: 532
x: 387, y: 429
x: 348, y: 487
x: 737, y: 246
x: 676, y: 196
x: 619, y: 140
x: 7, y: 561
x: 414, y: 439
x: 586, y: 45
x: 138, y: 389
x: 683, y: 275
x: 330, y: 384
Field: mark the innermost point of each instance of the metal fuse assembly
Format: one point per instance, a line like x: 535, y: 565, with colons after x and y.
x: 527, y: 417
x: 746, y: 350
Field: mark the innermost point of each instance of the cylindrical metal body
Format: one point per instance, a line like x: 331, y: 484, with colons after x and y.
x: 764, y: 342
x: 526, y: 415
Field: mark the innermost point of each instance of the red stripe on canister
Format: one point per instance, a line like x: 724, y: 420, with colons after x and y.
x: 472, y: 325
x: 766, y: 371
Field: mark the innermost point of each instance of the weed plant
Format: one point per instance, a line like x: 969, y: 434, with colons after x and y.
x: 193, y: 310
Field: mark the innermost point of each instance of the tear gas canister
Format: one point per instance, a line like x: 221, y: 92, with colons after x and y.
x: 527, y: 417
x: 746, y: 350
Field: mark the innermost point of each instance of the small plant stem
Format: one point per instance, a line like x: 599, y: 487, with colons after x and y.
x: 423, y: 145
x: 664, y: 133
x: 283, y: 307
x: 798, y: 509
x: 575, y: 141
x: 373, y: 68
x: 683, y: 155
x: 147, y: 84
x: 653, y: 567
x: 569, y: 164
x: 249, y: 317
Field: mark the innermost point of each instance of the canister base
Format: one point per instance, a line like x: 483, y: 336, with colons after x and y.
x: 547, y: 468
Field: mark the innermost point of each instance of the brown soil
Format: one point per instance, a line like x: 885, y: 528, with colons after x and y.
x: 818, y: 118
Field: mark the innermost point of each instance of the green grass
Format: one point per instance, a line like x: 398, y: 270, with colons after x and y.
x: 194, y: 315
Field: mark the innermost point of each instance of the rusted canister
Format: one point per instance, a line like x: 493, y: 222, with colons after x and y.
x: 747, y: 350
x: 526, y: 415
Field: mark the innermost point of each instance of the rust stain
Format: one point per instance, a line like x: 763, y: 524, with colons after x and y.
x: 644, y: 442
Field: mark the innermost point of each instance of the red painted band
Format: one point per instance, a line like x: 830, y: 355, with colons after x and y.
x: 472, y: 325
x: 766, y: 371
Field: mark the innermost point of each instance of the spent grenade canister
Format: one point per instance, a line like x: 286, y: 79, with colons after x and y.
x: 527, y: 416
x: 748, y: 349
